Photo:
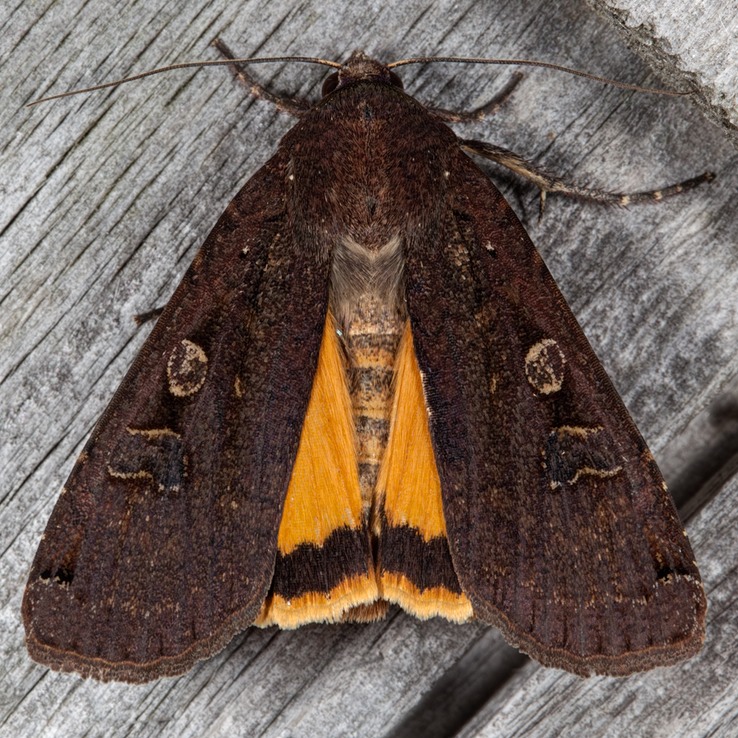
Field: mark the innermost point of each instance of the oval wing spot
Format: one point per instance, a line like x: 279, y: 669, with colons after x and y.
x: 186, y: 369
x: 544, y: 366
x: 574, y: 452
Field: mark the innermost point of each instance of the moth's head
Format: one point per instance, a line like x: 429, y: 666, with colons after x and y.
x: 360, y: 67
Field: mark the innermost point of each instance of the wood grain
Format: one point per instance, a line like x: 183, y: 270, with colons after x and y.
x: 105, y: 201
x: 692, y: 45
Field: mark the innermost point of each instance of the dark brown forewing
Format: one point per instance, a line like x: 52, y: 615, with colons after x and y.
x: 162, y: 544
x: 560, y: 528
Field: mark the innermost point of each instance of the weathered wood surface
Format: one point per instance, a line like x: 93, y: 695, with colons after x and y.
x: 693, y: 45
x: 105, y: 201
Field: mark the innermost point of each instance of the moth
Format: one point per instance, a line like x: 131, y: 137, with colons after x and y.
x: 367, y: 390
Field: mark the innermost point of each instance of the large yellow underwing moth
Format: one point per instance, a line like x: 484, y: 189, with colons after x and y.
x: 366, y: 390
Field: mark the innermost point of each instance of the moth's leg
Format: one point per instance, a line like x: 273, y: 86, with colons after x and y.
x: 548, y: 183
x: 490, y: 108
x: 292, y: 105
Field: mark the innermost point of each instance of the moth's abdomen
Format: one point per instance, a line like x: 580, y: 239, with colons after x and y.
x: 399, y: 483
x: 369, y: 305
x: 372, y: 342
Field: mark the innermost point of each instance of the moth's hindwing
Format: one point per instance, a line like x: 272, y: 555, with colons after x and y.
x: 163, y: 542
x: 560, y: 528
x: 415, y: 568
x: 324, y: 564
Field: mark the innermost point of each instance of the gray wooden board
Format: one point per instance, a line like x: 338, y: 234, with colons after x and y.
x: 106, y: 199
x: 692, y: 43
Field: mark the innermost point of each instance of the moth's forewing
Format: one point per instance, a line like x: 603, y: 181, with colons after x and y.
x: 560, y: 527
x: 162, y: 544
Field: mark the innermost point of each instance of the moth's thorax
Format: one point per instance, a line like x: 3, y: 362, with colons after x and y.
x: 372, y: 159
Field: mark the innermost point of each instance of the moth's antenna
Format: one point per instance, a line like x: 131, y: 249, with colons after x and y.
x: 535, y: 63
x: 187, y: 65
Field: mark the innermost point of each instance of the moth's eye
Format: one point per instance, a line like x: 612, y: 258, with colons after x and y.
x: 330, y: 84
x: 396, y: 81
